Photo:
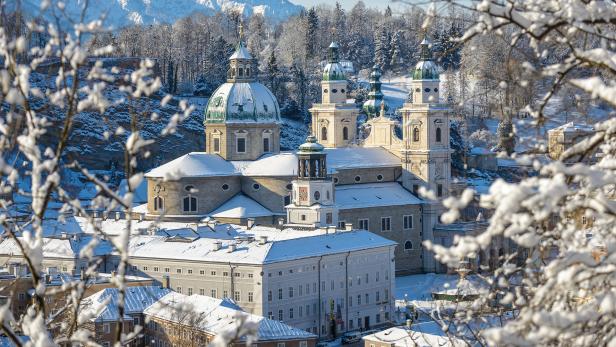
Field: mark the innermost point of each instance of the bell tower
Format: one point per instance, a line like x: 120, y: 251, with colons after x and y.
x: 313, y: 190
x: 334, y: 121
x: 426, y: 151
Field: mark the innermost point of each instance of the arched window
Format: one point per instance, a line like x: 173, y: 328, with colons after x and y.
x: 324, y: 133
x: 190, y: 204
x: 317, y: 195
x: 408, y: 245
x: 438, y: 134
x: 247, y: 72
x: 415, y: 135
x: 241, y: 72
x: 345, y: 133
x: 159, y: 203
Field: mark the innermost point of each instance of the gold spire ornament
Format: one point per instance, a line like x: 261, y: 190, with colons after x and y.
x: 241, y: 30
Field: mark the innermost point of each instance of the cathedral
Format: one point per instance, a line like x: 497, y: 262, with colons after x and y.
x: 338, y: 180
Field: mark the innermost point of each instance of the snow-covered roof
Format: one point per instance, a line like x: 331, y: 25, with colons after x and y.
x: 573, y: 127
x: 282, y: 245
x: 69, y: 247
x: 103, y: 305
x: 424, y: 334
x: 360, y: 157
x: 194, y: 164
x: 240, y: 53
x: 281, y: 164
x: 480, y: 151
x: 219, y: 316
x: 373, y: 194
x: 242, y: 102
x: 241, y: 206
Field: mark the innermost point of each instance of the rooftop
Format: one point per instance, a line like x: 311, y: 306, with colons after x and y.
x: 194, y: 164
x: 103, y: 305
x: 218, y: 316
x: 241, y: 206
x: 373, y: 195
x: 424, y: 334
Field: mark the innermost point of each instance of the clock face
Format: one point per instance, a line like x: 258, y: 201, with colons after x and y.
x: 303, y: 193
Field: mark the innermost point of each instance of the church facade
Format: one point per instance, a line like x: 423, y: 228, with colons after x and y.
x: 336, y: 180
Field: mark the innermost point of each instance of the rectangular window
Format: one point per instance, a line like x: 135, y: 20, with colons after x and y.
x: 237, y: 274
x: 250, y: 275
x: 367, y: 298
x: 106, y: 328
x: 236, y: 296
x: 201, y: 291
x: 328, y: 218
x: 301, y: 289
x: 378, y: 296
x: 190, y: 291
x: 250, y: 297
x: 225, y: 294
x: 290, y: 292
x: 213, y: 293
x: 341, y: 224
x: 439, y: 190
x: 307, y: 310
x: 290, y: 313
x: 378, y: 318
x: 386, y: 224
x: 269, y: 296
x: 145, y: 268
x: 280, y: 315
x: 303, y: 344
x: 280, y: 344
x: 363, y: 223
x: 407, y: 222
x: 213, y: 273
x: 201, y: 272
x: 178, y: 271
x: 350, y: 301
x: 190, y: 271
x: 279, y: 293
x: 241, y: 145
x: 225, y: 274
x: 166, y: 270
x: 266, y: 144
x: 216, y: 145
x: 359, y: 299
x: 270, y: 315
x: 155, y: 268
x: 415, y: 189
x: 178, y: 289
x: 300, y: 311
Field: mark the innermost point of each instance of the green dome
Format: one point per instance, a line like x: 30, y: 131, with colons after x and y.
x: 333, y: 72
x: 311, y: 146
x: 242, y: 102
x: 425, y: 70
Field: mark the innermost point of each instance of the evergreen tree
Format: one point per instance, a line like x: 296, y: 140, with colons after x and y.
x: 396, y: 50
x: 312, y: 26
x: 382, y: 49
x: 506, y: 137
x: 339, y: 23
x: 388, y: 13
x: 170, y: 76
x: 272, y: 71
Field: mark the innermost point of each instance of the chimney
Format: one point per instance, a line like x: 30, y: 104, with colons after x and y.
x: 250, y: 222
x: 165, y: 281
x: 231, y: 248
x: 216, y: 246
x: 117, y: 216
x: 141, y: 217
x: 262, y: 239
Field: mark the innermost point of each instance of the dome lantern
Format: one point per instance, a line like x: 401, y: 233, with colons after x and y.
x: 375, y: 96
x: 426, y: 69
x: 333, y: 70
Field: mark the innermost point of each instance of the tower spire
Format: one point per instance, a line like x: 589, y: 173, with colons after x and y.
x: 241, y: 28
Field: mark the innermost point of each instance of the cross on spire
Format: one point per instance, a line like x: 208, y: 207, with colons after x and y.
x: 241, y: 30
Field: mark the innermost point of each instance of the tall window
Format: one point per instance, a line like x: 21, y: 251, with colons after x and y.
x: 363, y: 224
x: 190, y: 204
x: 266, y: 144
x: 159, y: 203
x: 415, y: 135
x: 345, y: 133
x: 439, y: 190
x: 438, y: 134
x: 407, y: 222
x: 408, y: 245
x: 216, y: 145
x: 386, y: 224
x: 324, y: 133
x: 241, y: 145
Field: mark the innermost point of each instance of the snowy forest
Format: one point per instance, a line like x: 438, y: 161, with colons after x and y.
x: 86, y: 110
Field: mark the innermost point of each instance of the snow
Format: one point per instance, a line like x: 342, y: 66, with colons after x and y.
x: 373, y: 195
x: 241, y: 53
x: 219, y: 316
x: 146, y: 12
x: 241, y: 206
x: 195, y: 164
x: 241, y: 102
x: 424, y: 334
x: 282, y: 164
x: 573, y: 127
x: 103, y: 305
x: 68, y: 248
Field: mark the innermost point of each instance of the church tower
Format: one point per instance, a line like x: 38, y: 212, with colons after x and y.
x: 242, y: 117
x: 313, y: 190
x: 375, y: 97
x: 425, y: 150
x: 334, y: 122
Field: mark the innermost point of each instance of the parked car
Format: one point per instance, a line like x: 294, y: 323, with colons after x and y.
x: 351, y: 337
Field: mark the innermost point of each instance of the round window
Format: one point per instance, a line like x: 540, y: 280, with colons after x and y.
x: 317, y: 195
x: 189, y: 188
x: 427, y: 90
x: 435, y: 90
x: 325, y: 91
x: 341, y: 90
x: 289, y: 186
x: 418, y: 90
x: 335, y: 179
x: 334, y: 90
x: 256, y: 186
x: 225, y: 187
x: 357, y: 178
x: 379, y: 177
